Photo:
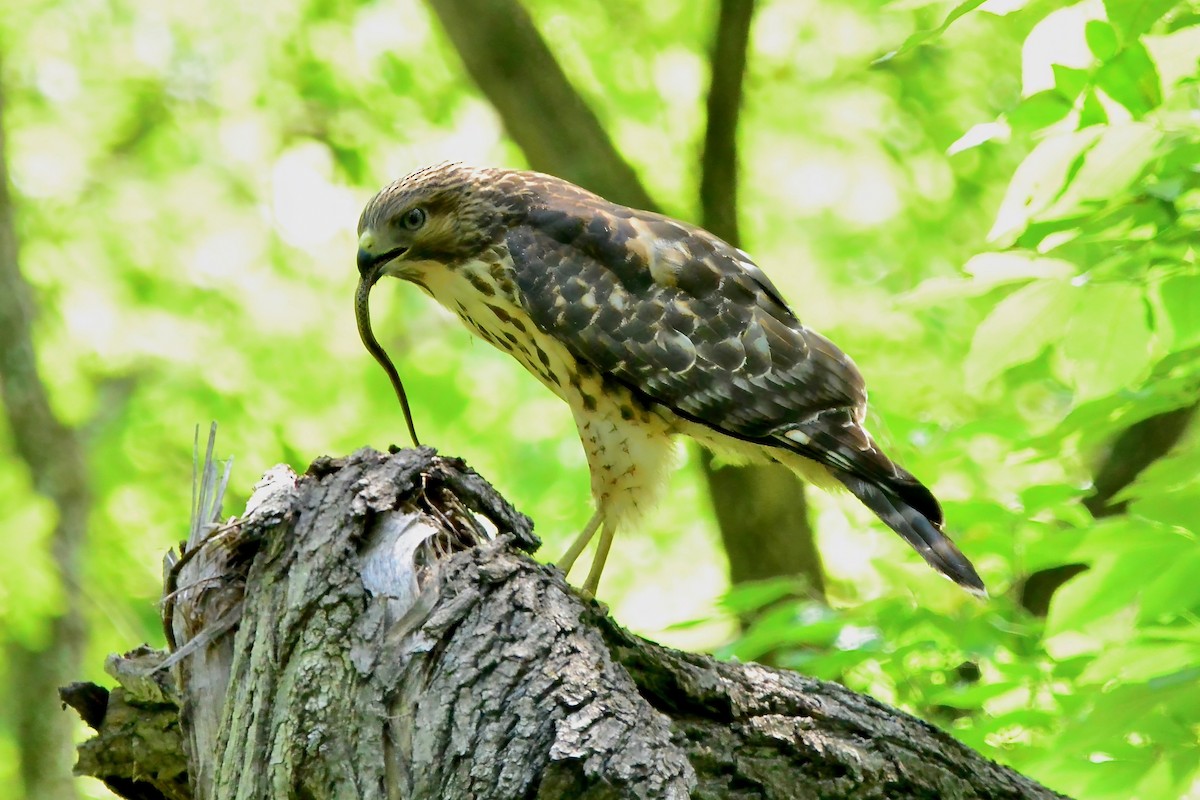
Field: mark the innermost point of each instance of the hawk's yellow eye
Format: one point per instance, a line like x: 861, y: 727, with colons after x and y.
x: 414, y: 219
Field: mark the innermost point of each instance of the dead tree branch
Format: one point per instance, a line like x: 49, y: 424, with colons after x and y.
x: 359, y: 633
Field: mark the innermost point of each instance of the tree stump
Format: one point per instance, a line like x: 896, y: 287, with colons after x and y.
x: 373, y: 629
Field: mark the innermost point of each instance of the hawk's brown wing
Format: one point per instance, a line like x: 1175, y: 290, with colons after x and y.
x: 688, y: 321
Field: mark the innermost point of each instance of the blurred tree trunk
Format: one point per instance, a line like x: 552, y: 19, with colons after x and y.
x: 761, y: 509
x: 542, y: 112
x: 560, y: 134
x: 356, y: 634
x: 55, y: 460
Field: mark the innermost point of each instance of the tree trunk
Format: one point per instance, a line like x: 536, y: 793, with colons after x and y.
x: 761, y: 510
x: 359, y: 633
x: 54, y: 456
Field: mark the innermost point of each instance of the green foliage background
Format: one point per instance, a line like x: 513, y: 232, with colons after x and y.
x: 999, y: 223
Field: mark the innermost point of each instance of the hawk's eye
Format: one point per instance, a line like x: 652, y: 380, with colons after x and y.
x: 414, y: 219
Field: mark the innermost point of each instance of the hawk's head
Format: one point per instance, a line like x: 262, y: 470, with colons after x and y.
x: 439, y: 215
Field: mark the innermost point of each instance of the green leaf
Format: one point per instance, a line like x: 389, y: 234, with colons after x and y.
x: 1109, y: 165
x: 1174, y: 590
x: 1177, y: 508
x: 789, y: 624
x: 1186, y: 677
x: 1039, y: 110
x: 1039, y: 180
x: 1132, y: 80
x: 1038, y: 498
x: 1106, y: 344
x: 1140, y: 662
x: 1084, y: 613
x: 993, y: 269
x: 1018, y: 329
x: 1165, y: 779
x: 1168, y: 491
x: 1053, y: 548
x: 920, y: 37
x: 1099, y: 606
x: 1092, y: 112
x: 1175, y: 55
x: 987, y: 271
x: 980, y: 134
x: 1069, y: 81
x: 1180, y: 297
x: 755, y: 595
x: 972, y: 696
x: 1134, y: 17
x: 1101, y: 39
x: 1177, y: 470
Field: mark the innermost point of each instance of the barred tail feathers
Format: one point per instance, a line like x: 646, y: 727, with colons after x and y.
x: 921, y: 530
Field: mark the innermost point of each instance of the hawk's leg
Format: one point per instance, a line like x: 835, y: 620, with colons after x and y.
x: 581, y: 541
x: 593, y: 579
x: 628, y: 451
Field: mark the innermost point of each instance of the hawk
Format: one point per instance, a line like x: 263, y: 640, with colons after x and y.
x: 648, y: 328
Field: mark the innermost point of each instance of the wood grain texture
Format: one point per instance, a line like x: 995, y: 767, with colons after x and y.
x: 388, y: 645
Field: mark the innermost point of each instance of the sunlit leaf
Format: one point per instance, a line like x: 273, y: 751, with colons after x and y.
x: 755, y: 595
x: 987, y: 271
x: 1165, y: 779
x: 1178, y: 507
x: 1101, y: 39
x: 1092, y: 111
x: 1039, y: 110
x: 1134, y: 17
x: 1110, y: 164
x: 1039, y: 179
x: 1098, y: 606
x: 1168, y: 491
x: 1055, y: 547
x: 789, y: 625
x: 1141, y: 662
x: 1180, y: 297
x: 1179, y: 469
x: 1174, y: 591
x: 1175, y: 55
x: 1018, y: 329
x: 1106, y: 344
x: 920, y: 37
x: 1131, y: 79
x: 980, y: 134
x: 970, y: 696
x: 995, y: 268
x: 1069, y: 81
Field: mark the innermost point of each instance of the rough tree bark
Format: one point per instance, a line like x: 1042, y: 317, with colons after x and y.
x: 527, y: 90
x: 358, y: 633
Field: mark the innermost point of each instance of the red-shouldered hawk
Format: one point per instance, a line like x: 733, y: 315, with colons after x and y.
x: 647, y: 327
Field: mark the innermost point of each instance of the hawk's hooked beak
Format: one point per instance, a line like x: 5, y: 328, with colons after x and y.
x: 371, y: 260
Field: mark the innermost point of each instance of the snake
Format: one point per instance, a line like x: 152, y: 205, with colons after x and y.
x: 362, y: 313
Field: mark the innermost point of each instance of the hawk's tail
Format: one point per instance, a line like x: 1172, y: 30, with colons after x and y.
x: 921, y: 529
